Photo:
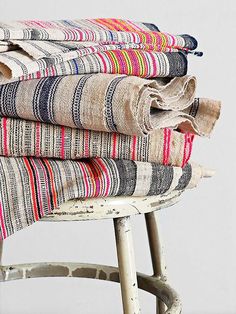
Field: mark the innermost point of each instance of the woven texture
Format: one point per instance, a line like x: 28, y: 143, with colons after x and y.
x: 94, y: 108
x: 110, y: 103
x: 39, y: 48
x: 131, y: 62
x: 26, y: 138
x: 31, y: 188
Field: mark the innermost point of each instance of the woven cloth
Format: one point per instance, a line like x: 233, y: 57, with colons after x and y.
x: 26, y: 138
x: 41, y: 48
x: 19, y: 66
x: 111, y: 103
x: 31, y: 188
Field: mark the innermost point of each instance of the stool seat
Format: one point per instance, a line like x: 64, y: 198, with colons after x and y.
x: 119, y: 209
x: 111, y: 207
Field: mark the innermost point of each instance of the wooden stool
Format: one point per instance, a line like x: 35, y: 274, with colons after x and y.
x: 119, y: 209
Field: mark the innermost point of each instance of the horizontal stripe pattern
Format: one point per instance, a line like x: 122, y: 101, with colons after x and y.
x: 27, y: 138
x: 30, y: 188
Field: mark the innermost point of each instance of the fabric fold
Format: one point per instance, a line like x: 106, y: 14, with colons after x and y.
x: 32, y: 187
x: 17, y: 65
x: 36, y: 48
x: 27, y: 138
x: 95, y: 108
x: 95, y: 30
x: 111, y: 103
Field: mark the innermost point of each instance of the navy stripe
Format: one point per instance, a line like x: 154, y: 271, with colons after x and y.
x: 194, y: 108
x: 162, y: 177
x: 185, y: 178
x: 32, y: 34
x: 190, y: 42
x: 128, y: 176
x: 178, y: 63
x: 151, y: 26
x: 77, y: 99
x: 8, y: 99
x: 108, y: 103
x: 43, y: 100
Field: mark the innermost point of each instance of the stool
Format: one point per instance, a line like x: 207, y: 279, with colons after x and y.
x: 120, y: 209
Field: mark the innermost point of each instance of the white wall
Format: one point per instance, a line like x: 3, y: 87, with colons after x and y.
x: 199, y: 232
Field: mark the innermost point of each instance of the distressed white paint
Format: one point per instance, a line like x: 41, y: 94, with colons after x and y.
x: 127, y: 269
x: 118, y: 209
x: 111, y: 207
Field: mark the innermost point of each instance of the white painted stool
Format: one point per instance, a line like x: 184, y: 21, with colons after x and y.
x: 119, y: 209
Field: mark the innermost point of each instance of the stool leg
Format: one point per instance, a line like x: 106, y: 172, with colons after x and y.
x: 127, y: 270
x: 156, y: 254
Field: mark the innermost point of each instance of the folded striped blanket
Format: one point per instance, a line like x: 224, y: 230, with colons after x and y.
x: 111, y: 103
x: 31, y: 188
x: 42, y: 48
x: 27, y: 138
x: 15, y: 65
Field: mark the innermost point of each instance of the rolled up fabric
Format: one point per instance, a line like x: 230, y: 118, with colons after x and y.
x: 27, y: 138
x: 110, y: 103
x: 31, y: 188
x: 116, y: 46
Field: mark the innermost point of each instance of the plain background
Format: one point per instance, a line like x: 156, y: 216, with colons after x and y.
x: 199, y: 232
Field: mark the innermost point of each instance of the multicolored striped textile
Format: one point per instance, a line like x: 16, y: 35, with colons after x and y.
x: 94, y: 108
x: 111, y: 103
x: 41, y: 48
x: 132, y: 62
x: 31, y: 188
x: 26, y: 138
x: 105, y: 29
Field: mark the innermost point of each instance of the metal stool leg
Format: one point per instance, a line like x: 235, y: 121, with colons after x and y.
x: 127, y: 270
x: 156, y: 249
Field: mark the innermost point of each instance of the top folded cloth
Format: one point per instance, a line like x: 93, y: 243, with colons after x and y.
x: 46, y: 48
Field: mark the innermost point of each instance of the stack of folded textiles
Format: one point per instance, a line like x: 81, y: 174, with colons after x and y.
x: 91, y: 108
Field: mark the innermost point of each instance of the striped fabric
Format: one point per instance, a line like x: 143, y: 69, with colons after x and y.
x: 24, y: 30
x: 19, y: 66
x: 95, y: 30
x: 78, y: 89
x: 109, y: 45
x: 31, y: 188
x: 110, y: 103
x: 26, y: 138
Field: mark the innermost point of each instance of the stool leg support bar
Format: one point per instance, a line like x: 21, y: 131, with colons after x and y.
x: 147, y: 283
x: 127, y: 269
x: 156, y: 251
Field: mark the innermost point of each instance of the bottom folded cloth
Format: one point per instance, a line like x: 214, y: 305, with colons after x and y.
x: 31, y: 188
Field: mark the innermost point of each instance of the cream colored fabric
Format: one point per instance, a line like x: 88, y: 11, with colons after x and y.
x: 111, y: 103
